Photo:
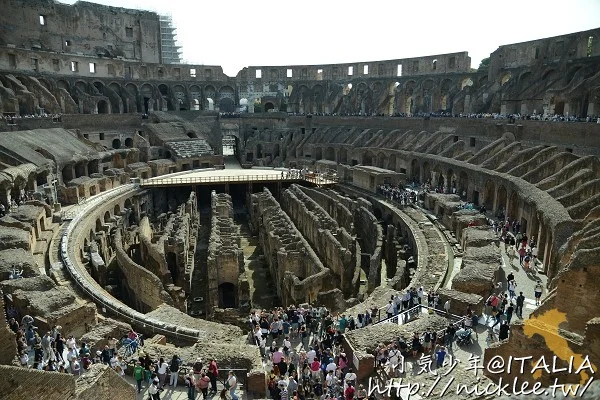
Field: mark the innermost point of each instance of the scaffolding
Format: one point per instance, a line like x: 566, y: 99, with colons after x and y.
x: 170, y: 51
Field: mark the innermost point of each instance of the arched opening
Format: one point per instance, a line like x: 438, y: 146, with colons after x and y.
x: 347, y: 88
x: 167, y: 154
x: 116, y: 143
x: 513, y: 205
x: 559, y: 108
x: 392, y: 162
x: 80, y: 169
x: 466, y: 82
x: 93, y: 190
x: 171, y: 259
x: 192, y: 135
x: 438, y: 178
x: 164, y: 93
x: 259, y: 151
x: 426, y: 172
x: 226, y: 104
x: 117, y: 210
x: 103, y: 107
x: 367, y: 158
x: 381, y: 160
x: 501, y: 200
x: 452, y: 184
x: 488, y: 193
x: 503, y: 80
x: 415, y: 170
x: 98, y: 225
x: 269, y: 106
x: 227, y: 296
x: 434, y: 65
x: 107, y: 217
x: 343, y: 156
x: 463, y: 182
x: 318, y: 153
x: 129, y: 142
x: 210, y: 104
x: 196, y: 105
x: 243, y: 105
x: 67, y: 173
x: 329, y: 153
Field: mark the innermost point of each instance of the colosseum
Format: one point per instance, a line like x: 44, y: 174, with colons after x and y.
x: 382, y: 214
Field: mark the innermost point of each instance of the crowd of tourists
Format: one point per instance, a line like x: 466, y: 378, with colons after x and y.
x: 50, y: 351
x: 302, y: 346
x: 512, y: 118
x: 12, y: 119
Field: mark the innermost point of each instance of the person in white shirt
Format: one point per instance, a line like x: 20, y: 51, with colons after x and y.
x: 349, y: 378
x: 331, y: 366
x: 447, y: 306
x: 231, y: 383
x: 287, y: 346
x: 162, y: 372
x: 420, y: 294
x: 310, y: 356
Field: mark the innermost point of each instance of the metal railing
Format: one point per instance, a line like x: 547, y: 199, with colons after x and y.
x: 236, y: 178
x: 410, y: 314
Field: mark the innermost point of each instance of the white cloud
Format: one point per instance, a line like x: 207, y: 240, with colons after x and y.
x: 236, y: 33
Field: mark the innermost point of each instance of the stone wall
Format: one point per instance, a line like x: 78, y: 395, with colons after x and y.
x: 297, y: 271
x: 330, y: 202
x: 370, y: 237
x: 146, y: 290
x: 479, y: 270
x: 335, y: 246
x: 100, y: 382
x: 8, y: 351
x: 20, y: 383
x: 225, y: 256
x: 50, y: 305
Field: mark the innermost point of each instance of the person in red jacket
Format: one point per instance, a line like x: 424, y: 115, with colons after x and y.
x: 213, y: 372
x: 349, y: 392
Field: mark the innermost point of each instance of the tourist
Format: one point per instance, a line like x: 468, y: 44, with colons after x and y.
x: 440, y: 356
x: 154, y: 389
x: 504, y: 329
x: 213, y: 372
x: 449, y: 333
x: 509, y: 312
x: 174, y: 368
x: 202, y: 386
x: 138, y: 375
x: 538, y: 292
x: 512, y: 285
x: 519, y: 307
x: 447, y: 307
x: 231, y: 385
x: 162, y: 372
x: 105, y: 355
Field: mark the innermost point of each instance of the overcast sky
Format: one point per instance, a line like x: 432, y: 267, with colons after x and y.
x: 236, y: 34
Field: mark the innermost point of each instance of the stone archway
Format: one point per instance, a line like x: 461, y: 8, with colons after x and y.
x: 513, y: 206
x: 463, y: 183
x: 501, y: 198
x: 381, y: 160
x: 367, y: 158
x: 103, y: 107
x: 488, y: 195
x: 415, y: 170
x: 343, y: 156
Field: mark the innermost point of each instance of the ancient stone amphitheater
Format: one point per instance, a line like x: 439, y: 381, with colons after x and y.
x: 174, y: 199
